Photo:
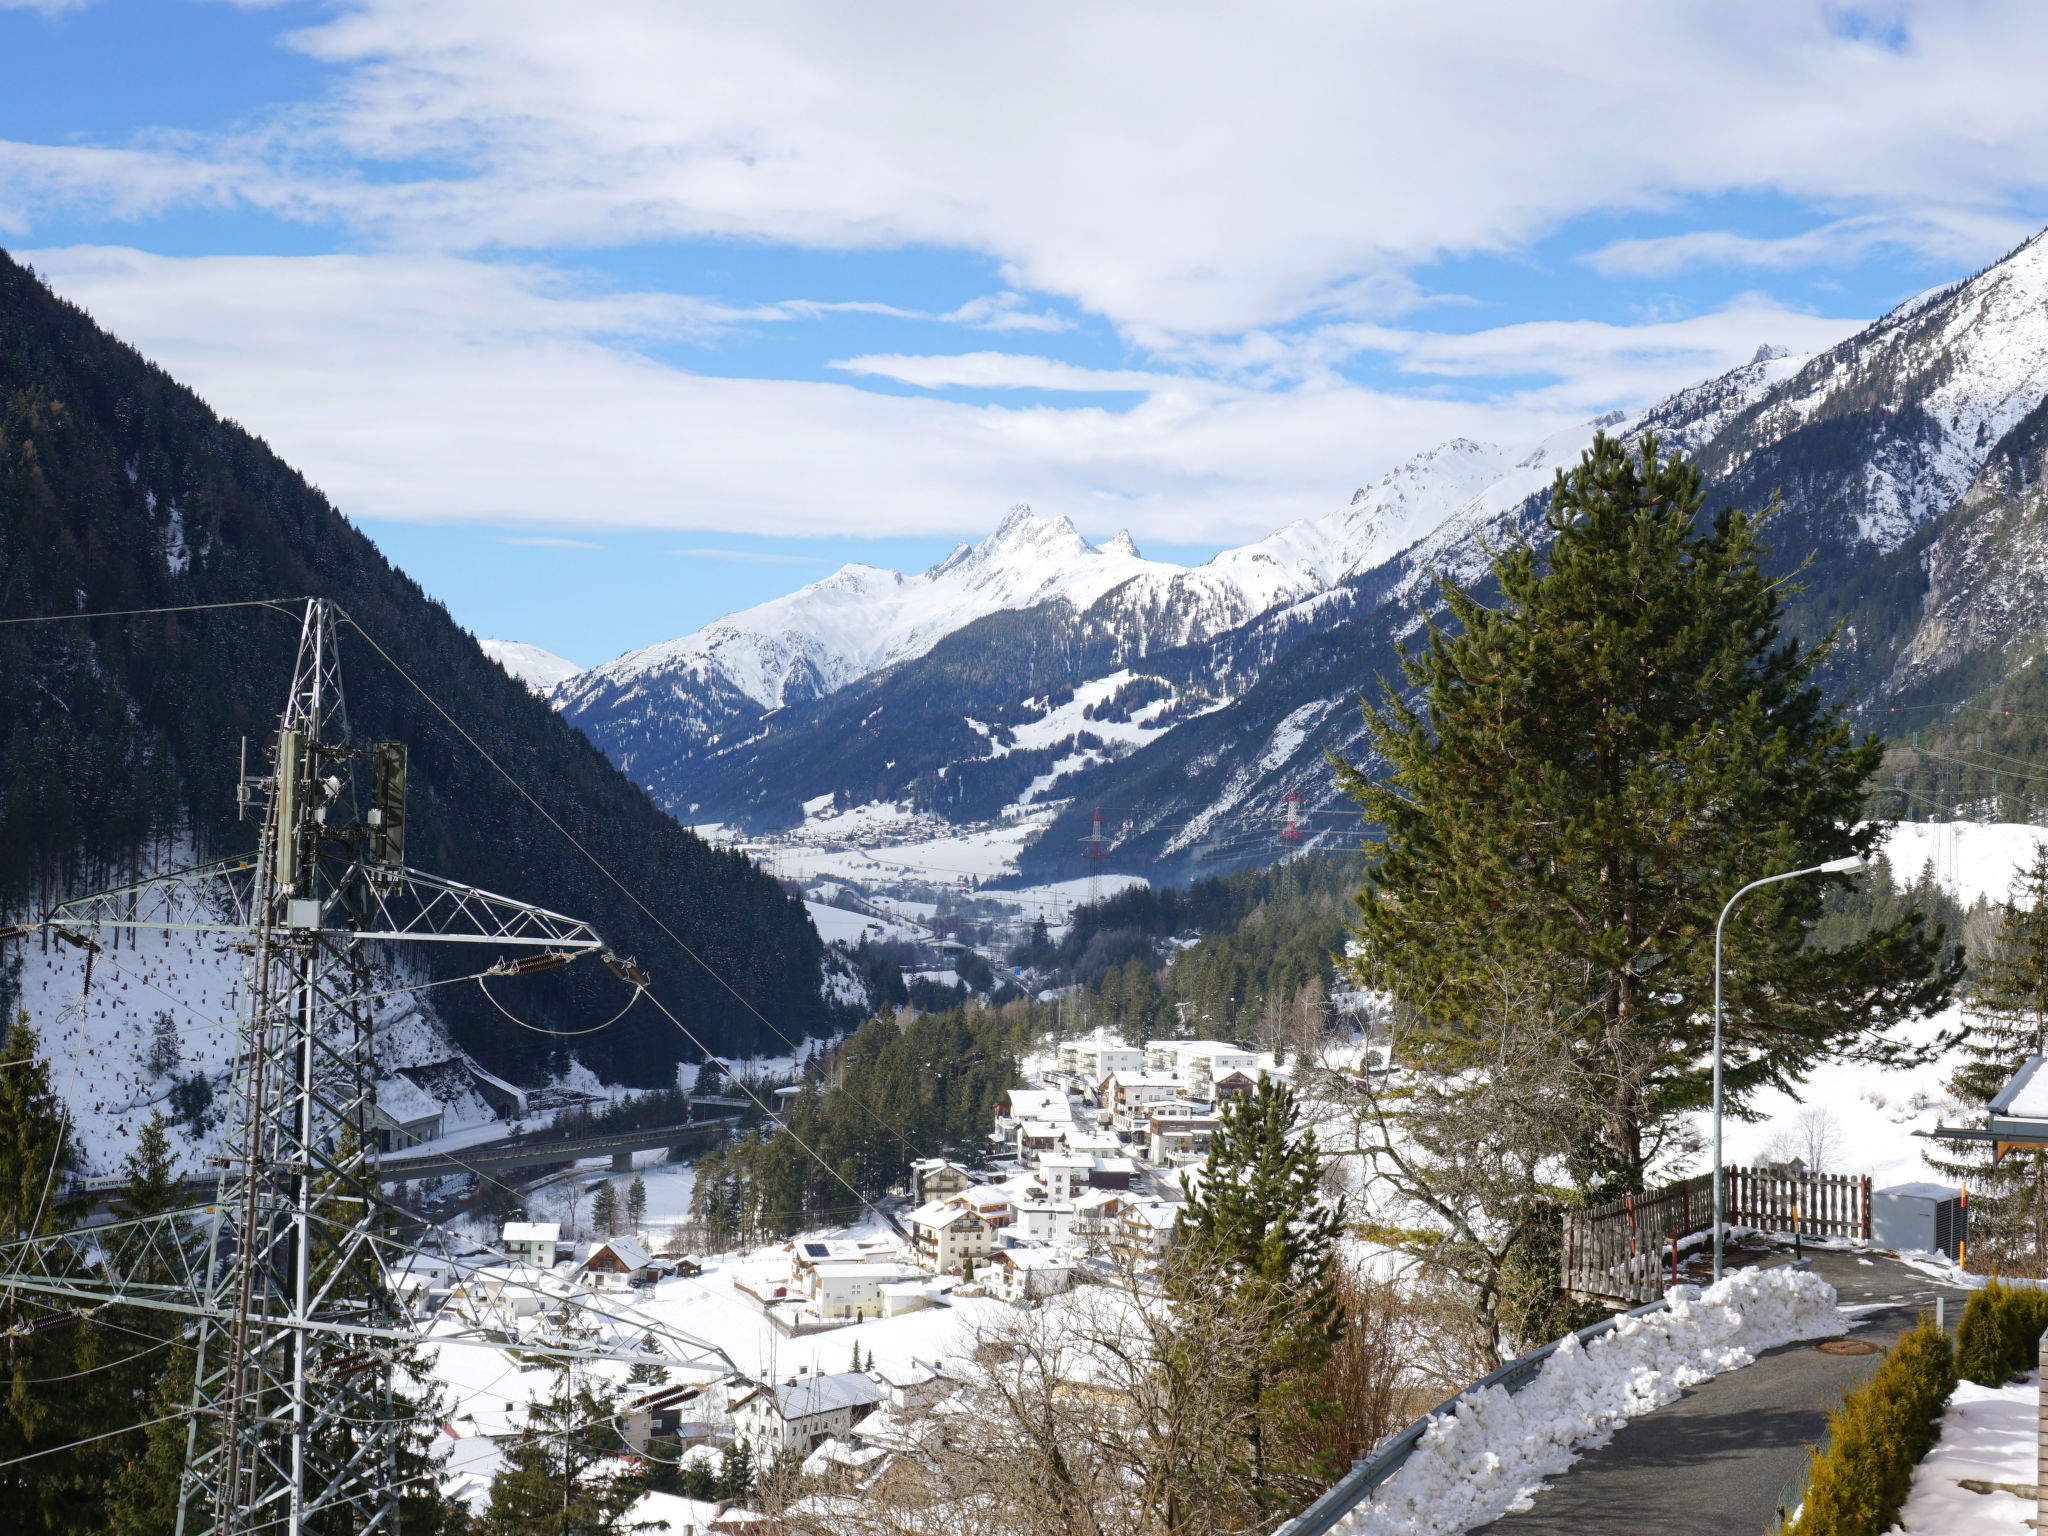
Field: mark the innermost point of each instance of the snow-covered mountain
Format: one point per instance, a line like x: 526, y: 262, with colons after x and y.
x: 540, y: 670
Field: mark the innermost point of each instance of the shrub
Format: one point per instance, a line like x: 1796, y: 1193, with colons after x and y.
x: 1999, y: 1336
x: 1884, y: 1426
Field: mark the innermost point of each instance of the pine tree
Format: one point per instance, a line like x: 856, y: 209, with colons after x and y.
x: 164, y: 1050
x: 604, y: 1210
x: 646, y: 1373
x: 636, y: 1203
x: 2007, y: 1009
x: 1596, y: 762
x: 142, y: 1499
x: 1257, y: 1226
x: 547, y: 1485
x: 736, y: 1472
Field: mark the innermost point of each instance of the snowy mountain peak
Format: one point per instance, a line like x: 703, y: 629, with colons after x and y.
x: 1123, y: 544
x: 540, y: 670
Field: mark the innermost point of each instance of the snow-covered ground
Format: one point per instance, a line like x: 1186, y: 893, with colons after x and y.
x: 1970, y: 859
x: 1493, y: 1454
x: 1989, y: 1435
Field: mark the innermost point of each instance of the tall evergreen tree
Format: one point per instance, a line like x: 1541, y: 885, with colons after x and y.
x: 1256, y: 1224
x: 636, y: 1203
x: 1594, y: 764
x: 2007, y: 1009
x: 604, y: 1210
x: 549, y: 1485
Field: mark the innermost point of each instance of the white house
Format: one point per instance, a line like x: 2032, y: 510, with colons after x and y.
x: 1179, y: 1138
x: 854, y: 1289
x: 1023, y: 1104
x: 1064, y: 1174
x: 1129, y: 1093
x: 912, y: 1388
x: 532, y: 1242
x: 1093, y: 1057
x: 803, y: 1412
x: 1036, y: 1138
x: 613, y: 1263
x: 1021, y: 1274
x: 934, y: 1178
x: 1201, y: 1062
x: 1143, y: 1233
x: 1044, y: 1221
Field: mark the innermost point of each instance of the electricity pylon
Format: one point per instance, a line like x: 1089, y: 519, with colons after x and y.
x: 301, y: 1324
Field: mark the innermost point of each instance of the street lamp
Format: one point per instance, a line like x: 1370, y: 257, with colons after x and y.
x: 1832, y: 867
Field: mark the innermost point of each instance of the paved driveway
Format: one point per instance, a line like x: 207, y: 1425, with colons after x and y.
x: 1721, y: 1459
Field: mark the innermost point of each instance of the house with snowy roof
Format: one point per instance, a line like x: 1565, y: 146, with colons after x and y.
x: 532, y: 1242
x: 1200, y: 1062
x: 404, y: 1114
x: 1025, y: 1274
x: 1143, y: 1232
x: 802, y: 1412
x: 947, y: 1233
x: 934, y: 1178
x: 614, y: 1263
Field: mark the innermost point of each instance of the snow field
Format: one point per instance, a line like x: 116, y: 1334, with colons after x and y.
x: 1989, y: 1435
x: 1492, y: 1454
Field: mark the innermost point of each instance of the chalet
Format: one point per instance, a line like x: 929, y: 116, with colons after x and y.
x: 666, y: 1421
x: 803, y: 1412
x: 933, y: 1178
x: 1096, y: 1217
x: 1021, y: 1104
x: 1024, y: 1274
x: 614, y: 1264
x: 532, y: 1242
x: 912, y: 1388
x: 947, y: 1233
x: 1235, y: 1084
x: 1036, y: 1139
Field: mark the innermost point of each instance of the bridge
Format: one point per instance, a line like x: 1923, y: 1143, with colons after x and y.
x: 507, y: 1155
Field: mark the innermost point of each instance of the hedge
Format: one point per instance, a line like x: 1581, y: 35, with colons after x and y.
x: 1999, y: 1336
x: 1875, y: 1439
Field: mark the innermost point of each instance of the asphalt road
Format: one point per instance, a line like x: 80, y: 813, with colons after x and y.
x: 1721, y: 1459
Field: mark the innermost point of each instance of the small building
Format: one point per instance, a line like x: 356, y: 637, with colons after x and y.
x: 934, y: 1178
x: 404, y: 1114
x: 1232, y: 1085
x: 1143, y: 1233
x: 901, y: 1296
x: 614, y: 1264
x: 1130, y: 1093
x: 1036, y: 1139
x: 1044, y: 1221
x: 532, y: 1242
x: 1025, y: 1274
x: 1021, y: 1104
x: 852, y: 1289
x: 912, y: 1388
x: 666, y: 1421
x: 803, y: 1412
x: 1179, y: 1138
x: 1112, y: 1173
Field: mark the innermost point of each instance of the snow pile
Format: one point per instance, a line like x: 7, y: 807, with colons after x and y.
x: 1988, y: 1438
x: 1493, y: 1453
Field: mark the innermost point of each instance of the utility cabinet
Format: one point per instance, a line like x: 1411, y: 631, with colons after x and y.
x: 1929, y: 1217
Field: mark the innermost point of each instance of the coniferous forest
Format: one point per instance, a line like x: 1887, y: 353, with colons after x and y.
x: 121, y: 739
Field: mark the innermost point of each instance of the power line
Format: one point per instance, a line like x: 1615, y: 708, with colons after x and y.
x: 276, y: 603
x: 89, y: 1439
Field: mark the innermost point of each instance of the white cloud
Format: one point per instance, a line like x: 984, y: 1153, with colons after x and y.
x: 1185, y: 169
x: 1009, y: 370
x: 542, y: 541
x: 432, y: 388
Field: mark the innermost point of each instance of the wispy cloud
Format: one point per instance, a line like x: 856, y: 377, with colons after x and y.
x: 1004, y: 370
x: 538, y: 541
x: 749, y: 556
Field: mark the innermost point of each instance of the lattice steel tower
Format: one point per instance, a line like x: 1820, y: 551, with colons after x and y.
x: 299, y: 1318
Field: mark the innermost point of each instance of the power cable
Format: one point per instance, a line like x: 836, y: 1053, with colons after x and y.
x: 563, y: 1033
x: 89, y: 1439
x: 277, y: 603
x: 600, y: 867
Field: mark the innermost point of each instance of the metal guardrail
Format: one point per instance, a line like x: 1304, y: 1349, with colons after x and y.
x: 1355, y: 1486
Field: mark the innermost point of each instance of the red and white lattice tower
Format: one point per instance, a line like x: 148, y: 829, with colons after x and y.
x: 1093, y: 843
x: 1290, y: 829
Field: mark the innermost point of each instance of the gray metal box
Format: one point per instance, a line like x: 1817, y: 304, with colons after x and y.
x: 1929, y: 1217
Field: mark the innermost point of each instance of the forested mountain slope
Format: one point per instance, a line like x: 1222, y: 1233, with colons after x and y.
x: 120, y: 489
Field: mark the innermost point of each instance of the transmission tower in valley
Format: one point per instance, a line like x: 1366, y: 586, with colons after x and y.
x: 1290, y: 825
x: 289, y: 1279
x: 1093, y: 845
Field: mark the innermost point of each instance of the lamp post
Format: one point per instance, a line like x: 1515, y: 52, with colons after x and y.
x: 1832, y: 867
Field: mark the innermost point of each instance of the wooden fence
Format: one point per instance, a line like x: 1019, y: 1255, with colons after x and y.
x: 1627, y: 1248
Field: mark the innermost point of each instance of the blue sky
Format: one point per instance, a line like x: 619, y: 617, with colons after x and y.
x: 604, y: 320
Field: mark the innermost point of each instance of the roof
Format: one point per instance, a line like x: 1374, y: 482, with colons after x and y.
x: 1158, y: 1217
x: 1115, y: 1165
x: 531, y: 1232
x: 982, y: 1197
x: 1922, y: 1191
x: 1033, y: 1258
x: 625, y: 1249
x: 2025, y: 1097
x: 405, y: 1101
x: 940, y: 1213
x: 854, y: 1270
x: 1203, y: 1048
x: 1065, y: 1160
x: 820, y: 1394
x: 1146, y: 1080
